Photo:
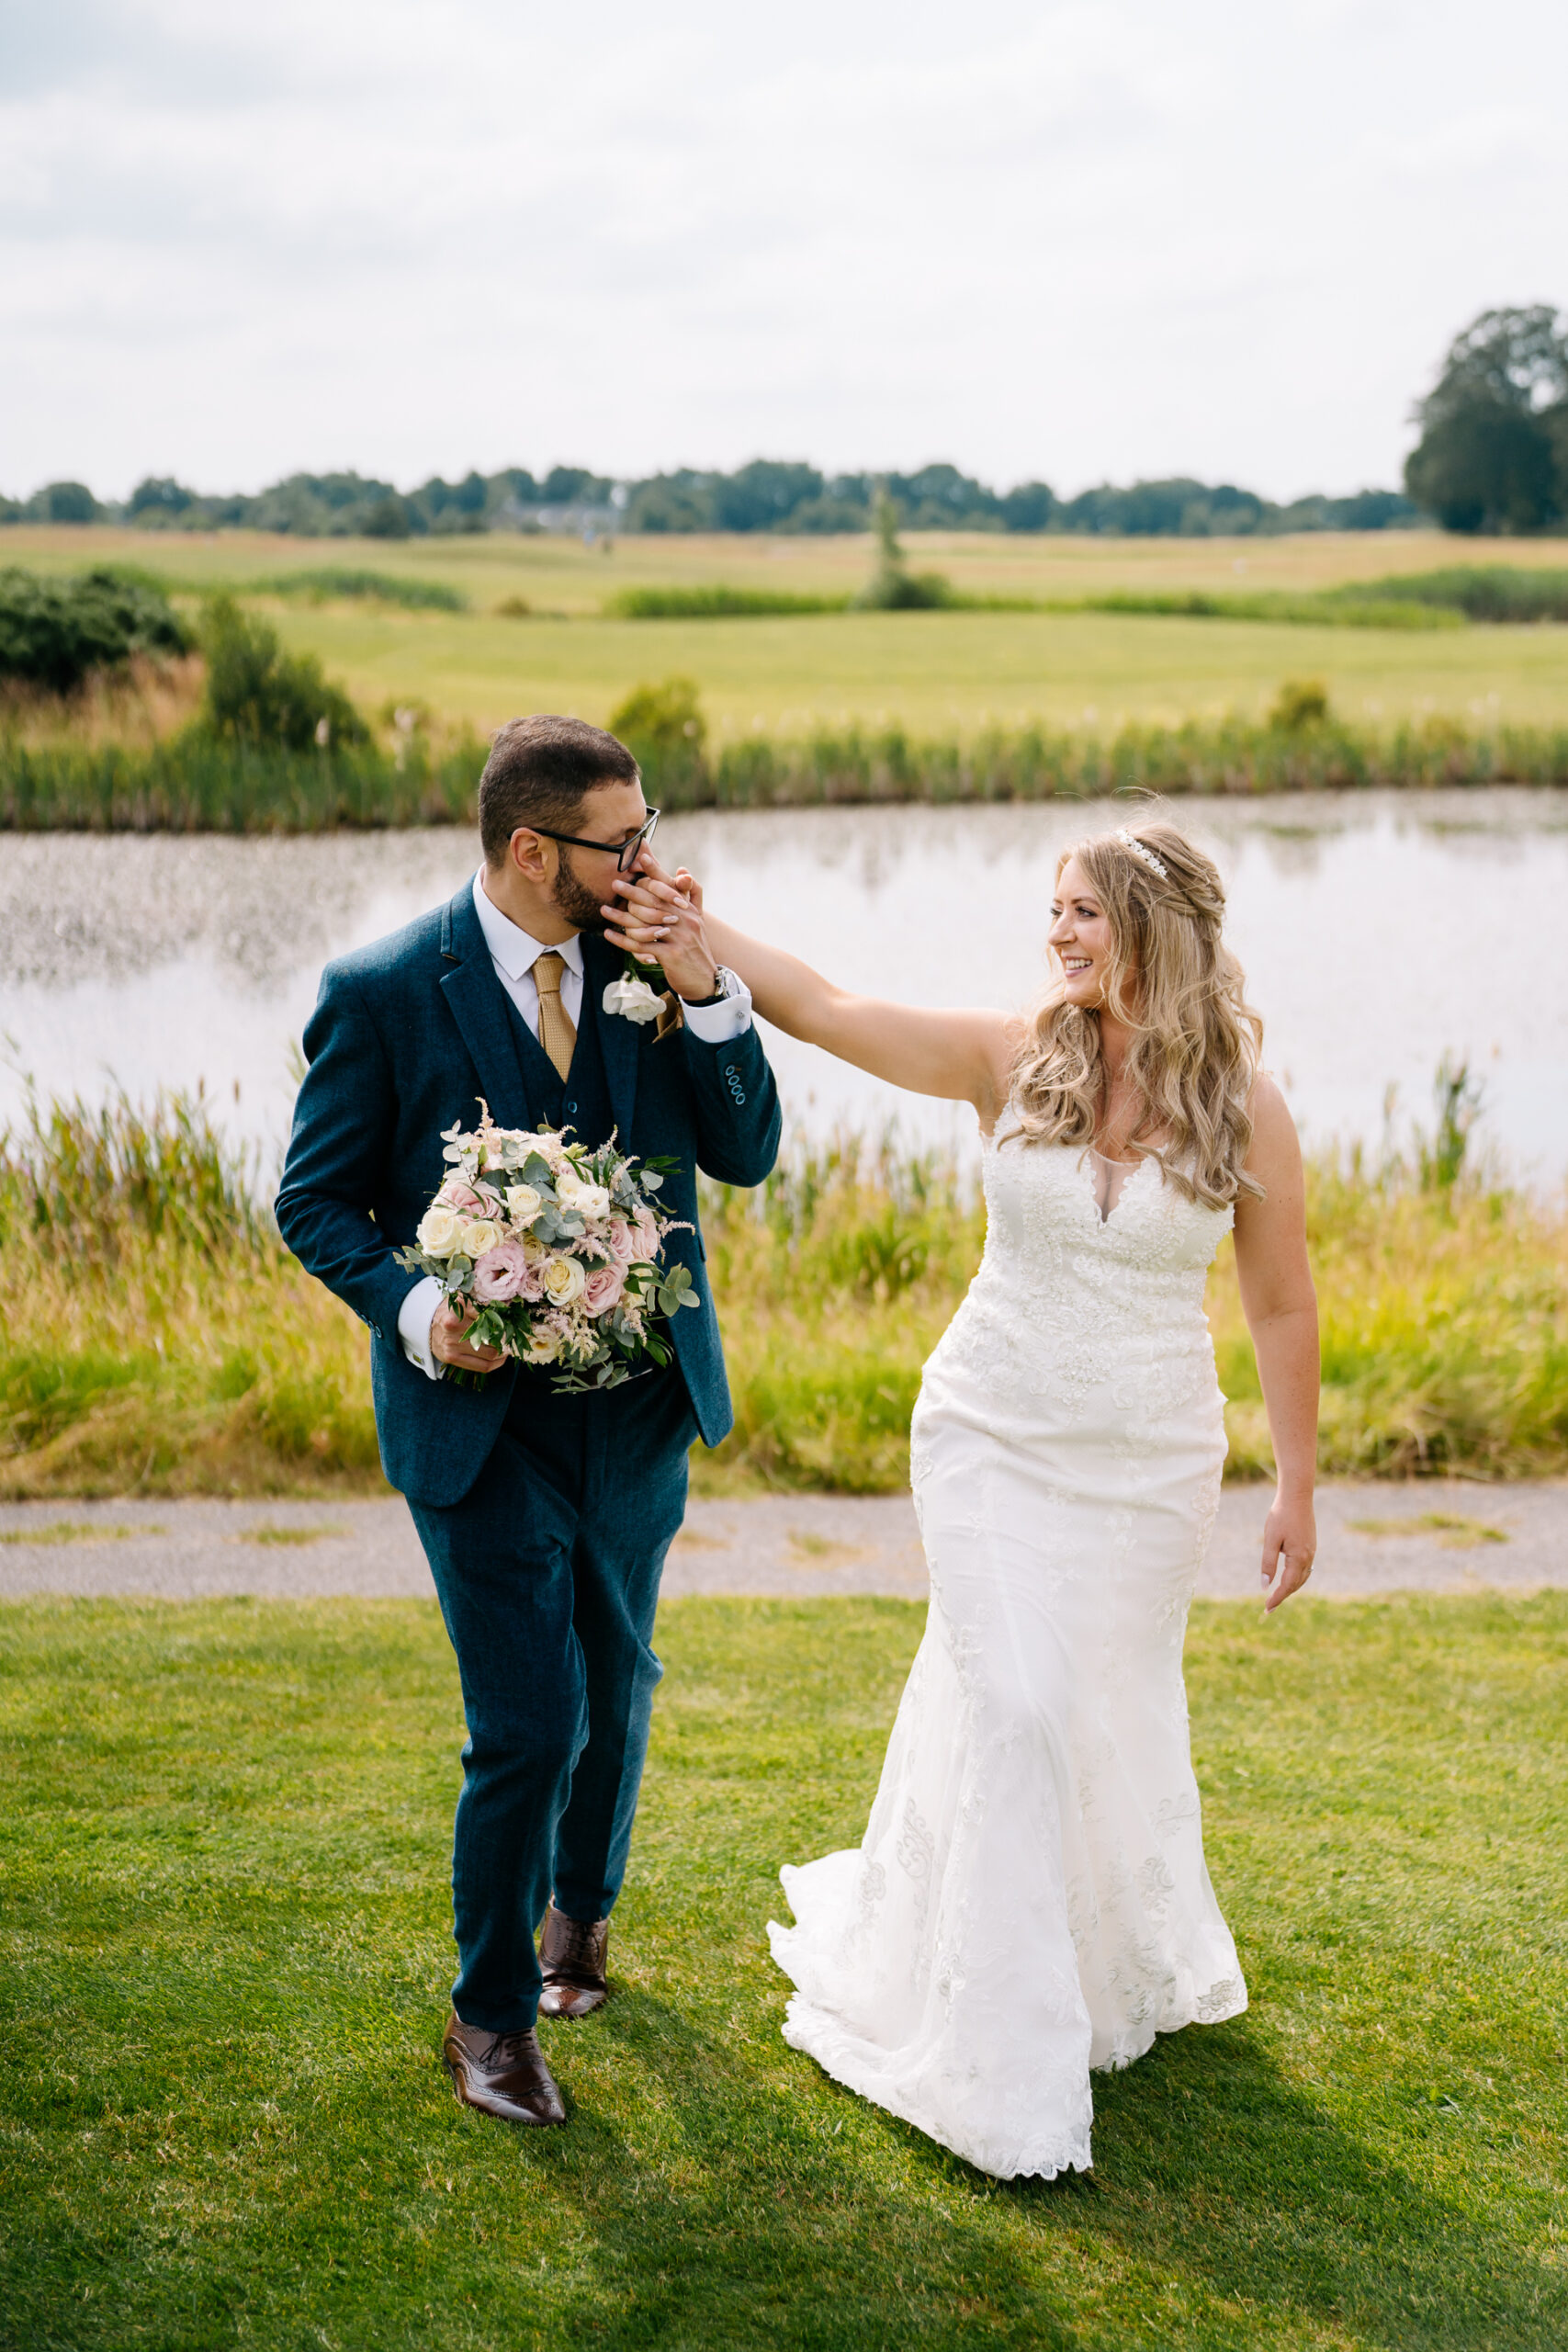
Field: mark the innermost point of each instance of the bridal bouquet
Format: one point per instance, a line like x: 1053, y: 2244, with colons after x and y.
x: 552, y: 1248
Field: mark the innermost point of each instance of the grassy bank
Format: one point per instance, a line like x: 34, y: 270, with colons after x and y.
x: 226, y: 1946
x: 192, y: 782
x: 155, y: 1338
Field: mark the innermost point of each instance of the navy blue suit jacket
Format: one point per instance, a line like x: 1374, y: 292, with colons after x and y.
x: 406, y: 1034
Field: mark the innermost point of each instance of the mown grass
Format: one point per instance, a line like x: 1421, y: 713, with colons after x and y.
x: 226, y: 1944
x: 937, y: 674
x: 156, y: 1338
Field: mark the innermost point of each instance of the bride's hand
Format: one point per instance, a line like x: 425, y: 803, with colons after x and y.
x: 659, y: 920
x: 1289, y: 1546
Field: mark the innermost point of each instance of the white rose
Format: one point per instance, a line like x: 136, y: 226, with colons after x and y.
x: 632, y: 999
x: 438, y: 1233
x: 477, y: 1234
x: 590, y: 1201
x: 523, y: 1203
x: 564, y: 1280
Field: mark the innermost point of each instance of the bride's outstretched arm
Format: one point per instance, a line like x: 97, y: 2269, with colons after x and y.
x: 963, y: 1056
x: 1281, y: 1306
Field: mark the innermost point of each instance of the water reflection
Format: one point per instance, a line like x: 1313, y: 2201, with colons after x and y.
x: 1377, y: 930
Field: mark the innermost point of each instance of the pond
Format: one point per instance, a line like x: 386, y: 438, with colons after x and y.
x: 1377, y: 929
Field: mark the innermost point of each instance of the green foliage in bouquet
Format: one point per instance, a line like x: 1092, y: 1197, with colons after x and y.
x: 549, y: 1250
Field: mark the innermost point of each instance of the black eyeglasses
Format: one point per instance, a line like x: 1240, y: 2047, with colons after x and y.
x: 626, y: 852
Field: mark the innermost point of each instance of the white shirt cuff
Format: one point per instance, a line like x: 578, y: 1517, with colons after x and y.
x: 716, y: 1024
x: 415, y: 1317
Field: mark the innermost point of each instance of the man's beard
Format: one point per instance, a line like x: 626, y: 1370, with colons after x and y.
x: 575, y: 899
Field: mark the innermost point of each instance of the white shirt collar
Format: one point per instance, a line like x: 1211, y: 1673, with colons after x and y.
x: 514, y: 949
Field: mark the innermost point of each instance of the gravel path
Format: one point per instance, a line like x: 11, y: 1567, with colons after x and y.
x: 1437, y: 1537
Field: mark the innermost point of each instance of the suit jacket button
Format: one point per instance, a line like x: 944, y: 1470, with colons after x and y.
x: 571, y: 1107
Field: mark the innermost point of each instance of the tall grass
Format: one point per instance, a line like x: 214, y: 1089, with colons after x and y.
x: 194, y: 783
x: 156, y: 1336
x: 715, y: 603
x: 1229, y: 756
x: 927, y: 592
x: 1477, y: 592
x: 318, y: 583
x: 190, y: 783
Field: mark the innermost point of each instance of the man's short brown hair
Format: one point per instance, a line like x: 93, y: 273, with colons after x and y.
x: 540, y: 772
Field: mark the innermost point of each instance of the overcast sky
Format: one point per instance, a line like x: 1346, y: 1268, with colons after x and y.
x: 1067, y: 241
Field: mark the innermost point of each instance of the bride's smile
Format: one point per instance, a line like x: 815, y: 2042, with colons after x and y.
x: 1079, y: 936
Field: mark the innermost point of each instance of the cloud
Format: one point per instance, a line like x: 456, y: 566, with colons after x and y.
x: 1071, y: 241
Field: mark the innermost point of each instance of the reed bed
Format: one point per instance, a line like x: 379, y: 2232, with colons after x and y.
x: 156, y: 1338
x: 194, y: 783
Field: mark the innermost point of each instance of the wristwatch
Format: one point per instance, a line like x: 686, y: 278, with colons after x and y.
x: 726, y: 983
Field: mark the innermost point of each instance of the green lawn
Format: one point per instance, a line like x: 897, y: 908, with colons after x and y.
x: 936, y: 674
x: 225, y: 1949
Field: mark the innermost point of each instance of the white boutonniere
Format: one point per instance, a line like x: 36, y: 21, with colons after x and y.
x: 632, y: 999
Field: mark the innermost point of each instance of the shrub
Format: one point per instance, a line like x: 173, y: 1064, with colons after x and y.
x: 258, y: 694
x: 663, y: 727
x: 1300, y: 702
x: 892, y: 588
x: 56, y: 633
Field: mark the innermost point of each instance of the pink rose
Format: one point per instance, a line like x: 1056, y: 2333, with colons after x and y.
x: 502, y: 1273
x: 622, y: 1241
x: 646, y: 1237
x: 458, y: 1195
x: 602, y: 1289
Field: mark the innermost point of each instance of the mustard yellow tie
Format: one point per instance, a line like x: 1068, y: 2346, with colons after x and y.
x: 556, y: 1032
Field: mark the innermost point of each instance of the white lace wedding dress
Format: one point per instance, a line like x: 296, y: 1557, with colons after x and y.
x: 1031, y: 1898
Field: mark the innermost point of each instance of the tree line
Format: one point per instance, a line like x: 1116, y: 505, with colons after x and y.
x: 1493, y: 457
x: 769, y: 494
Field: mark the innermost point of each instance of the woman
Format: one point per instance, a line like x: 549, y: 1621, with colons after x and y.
x: 1031, y: 1900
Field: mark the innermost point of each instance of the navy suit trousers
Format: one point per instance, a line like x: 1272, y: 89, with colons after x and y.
x: 548, y: 1572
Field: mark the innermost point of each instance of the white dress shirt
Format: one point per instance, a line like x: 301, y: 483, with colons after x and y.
x: 514, y: 952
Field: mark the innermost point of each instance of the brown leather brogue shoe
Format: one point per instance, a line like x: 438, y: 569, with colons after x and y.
x: 501, y: 2074
x: 571, y: 1959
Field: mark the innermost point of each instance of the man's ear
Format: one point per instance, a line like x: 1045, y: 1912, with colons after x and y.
x: 526, y: 854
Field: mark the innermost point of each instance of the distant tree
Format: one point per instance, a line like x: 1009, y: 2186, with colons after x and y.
x: 572, y: 486
x: 1030, y: 507
x: 388, y: 518
x: 939, y: 498
x: 160, y: 494
x: 1493, y: 455
x: 677, y: 502
x: 761, y: 496
x: 63, y: 502
x: 469, y: 496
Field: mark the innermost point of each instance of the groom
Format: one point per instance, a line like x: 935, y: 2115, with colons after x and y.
x: 546, y: 1519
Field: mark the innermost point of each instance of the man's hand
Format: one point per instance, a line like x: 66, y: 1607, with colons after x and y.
x: 660, y: 918
x: 448, y: 1344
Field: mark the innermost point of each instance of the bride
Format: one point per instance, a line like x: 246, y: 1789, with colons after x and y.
x: 1029, y: 1900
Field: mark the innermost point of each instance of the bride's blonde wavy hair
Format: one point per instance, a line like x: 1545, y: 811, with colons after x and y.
x: 1196, y: 1041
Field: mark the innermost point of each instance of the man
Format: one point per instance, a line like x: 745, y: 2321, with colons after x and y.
x: 546, y: 1519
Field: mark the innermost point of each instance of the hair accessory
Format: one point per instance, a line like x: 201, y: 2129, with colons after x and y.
x: 1141, y: 849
